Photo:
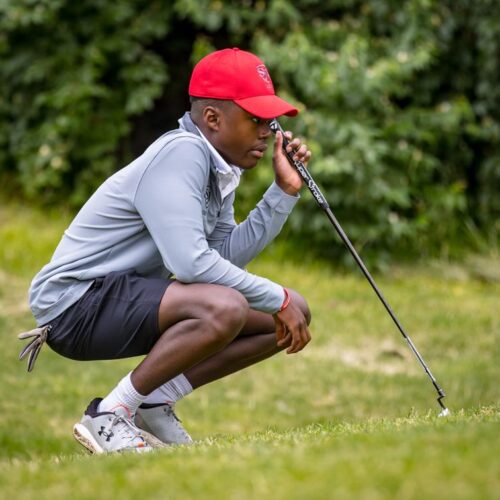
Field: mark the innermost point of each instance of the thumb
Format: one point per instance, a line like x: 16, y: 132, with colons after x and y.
x: 278, y: 143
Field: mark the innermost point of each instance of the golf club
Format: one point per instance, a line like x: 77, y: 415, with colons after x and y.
x: 322, y: 202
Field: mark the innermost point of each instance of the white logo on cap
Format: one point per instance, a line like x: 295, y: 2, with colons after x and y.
x: 264, y: 74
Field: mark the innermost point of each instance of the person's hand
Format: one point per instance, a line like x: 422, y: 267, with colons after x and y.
x: 291, y: 325
x: 287, y: 177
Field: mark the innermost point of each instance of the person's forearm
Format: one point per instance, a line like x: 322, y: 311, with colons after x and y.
x: 244, y: 242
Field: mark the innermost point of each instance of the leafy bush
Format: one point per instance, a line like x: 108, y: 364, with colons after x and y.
x: 72, y: 75
x: 402, y: 105
x: 400, y: 100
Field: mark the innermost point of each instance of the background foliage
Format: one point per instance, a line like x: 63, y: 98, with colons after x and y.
x: 401, y: 104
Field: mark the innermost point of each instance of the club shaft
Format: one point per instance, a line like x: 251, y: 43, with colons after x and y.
x: 322, y: 202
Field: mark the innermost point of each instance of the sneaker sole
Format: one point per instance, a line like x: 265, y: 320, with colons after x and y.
x: 152, y: 440
x: 85, y: 438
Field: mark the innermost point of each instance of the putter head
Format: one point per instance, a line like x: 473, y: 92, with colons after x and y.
x: 444, y: 413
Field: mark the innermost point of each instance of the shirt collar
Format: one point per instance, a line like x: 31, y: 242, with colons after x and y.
x: 228, y: 176
x: 221, y: 165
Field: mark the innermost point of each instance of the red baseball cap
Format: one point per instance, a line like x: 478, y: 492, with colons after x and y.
x: 238, y: 76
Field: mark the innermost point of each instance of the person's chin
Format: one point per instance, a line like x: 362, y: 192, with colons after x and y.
x: 248, y: 163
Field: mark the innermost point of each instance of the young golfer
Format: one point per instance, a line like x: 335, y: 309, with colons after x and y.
x: 154, y: 263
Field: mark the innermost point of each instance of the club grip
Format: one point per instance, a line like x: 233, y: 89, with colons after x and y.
x: 300, y: 167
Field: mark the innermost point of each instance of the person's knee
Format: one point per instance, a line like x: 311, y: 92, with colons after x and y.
x: 220, y: 309
x: 226, y: 315
x: 302, y: 303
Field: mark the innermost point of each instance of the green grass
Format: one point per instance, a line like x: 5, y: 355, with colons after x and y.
x: 353, y: 416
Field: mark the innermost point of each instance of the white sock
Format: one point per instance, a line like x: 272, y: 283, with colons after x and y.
x: 123, y: 397
x: 171, y: 391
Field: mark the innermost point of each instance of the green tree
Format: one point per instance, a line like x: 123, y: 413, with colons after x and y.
x: 400, y: 101
x: 72, y: 76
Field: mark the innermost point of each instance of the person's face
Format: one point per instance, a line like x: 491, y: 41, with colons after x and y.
x: 240, y: 138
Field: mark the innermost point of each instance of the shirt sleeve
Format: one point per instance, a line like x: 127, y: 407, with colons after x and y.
x: 242, y: 243
x: 170, y: 200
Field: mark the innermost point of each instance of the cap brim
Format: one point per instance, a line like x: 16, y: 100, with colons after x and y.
x: 266, y: 106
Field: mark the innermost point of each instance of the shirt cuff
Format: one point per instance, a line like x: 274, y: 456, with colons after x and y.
x: 280, y: 201
x: 278, y: 298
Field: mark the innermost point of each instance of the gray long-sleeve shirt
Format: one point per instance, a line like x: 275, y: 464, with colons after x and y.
x: 163, y: 215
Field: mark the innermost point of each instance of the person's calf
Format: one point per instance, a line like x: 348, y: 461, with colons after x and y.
x: 217, y: 316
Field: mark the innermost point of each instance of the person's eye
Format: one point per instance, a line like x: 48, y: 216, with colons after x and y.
x: 257, y: 120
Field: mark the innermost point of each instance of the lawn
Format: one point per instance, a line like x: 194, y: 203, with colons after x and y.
x: 353, y: 416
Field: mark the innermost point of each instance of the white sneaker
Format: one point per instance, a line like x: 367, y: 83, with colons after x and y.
x: 105, y: 432
x: 161, y: 421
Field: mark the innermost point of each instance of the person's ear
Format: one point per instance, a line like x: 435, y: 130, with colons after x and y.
x: 211, y: 117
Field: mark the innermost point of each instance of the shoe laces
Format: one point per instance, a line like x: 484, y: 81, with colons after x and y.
x: 124, y: 428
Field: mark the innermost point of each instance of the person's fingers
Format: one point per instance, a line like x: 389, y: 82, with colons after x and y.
x: 285, y: 340
x: 293, y: 144
x: 296, y: 344
x: 300, y: 153
x: 308, y: 335
x: 301, y: 338
x: 280, y: 330
x: 295, y: 322
x: 278, y: 143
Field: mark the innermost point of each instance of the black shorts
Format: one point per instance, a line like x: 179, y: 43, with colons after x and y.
x: 116, y: 318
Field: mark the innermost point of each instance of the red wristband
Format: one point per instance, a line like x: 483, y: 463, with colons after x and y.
x: 286, y: 301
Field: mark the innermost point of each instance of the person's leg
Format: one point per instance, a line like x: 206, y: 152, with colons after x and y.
x: 198, y: 320
x: 157, y: 414
x: 200, y: 324
x: 256, y: 342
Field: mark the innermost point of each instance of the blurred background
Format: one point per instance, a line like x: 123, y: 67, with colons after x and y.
x: 399, y: 100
